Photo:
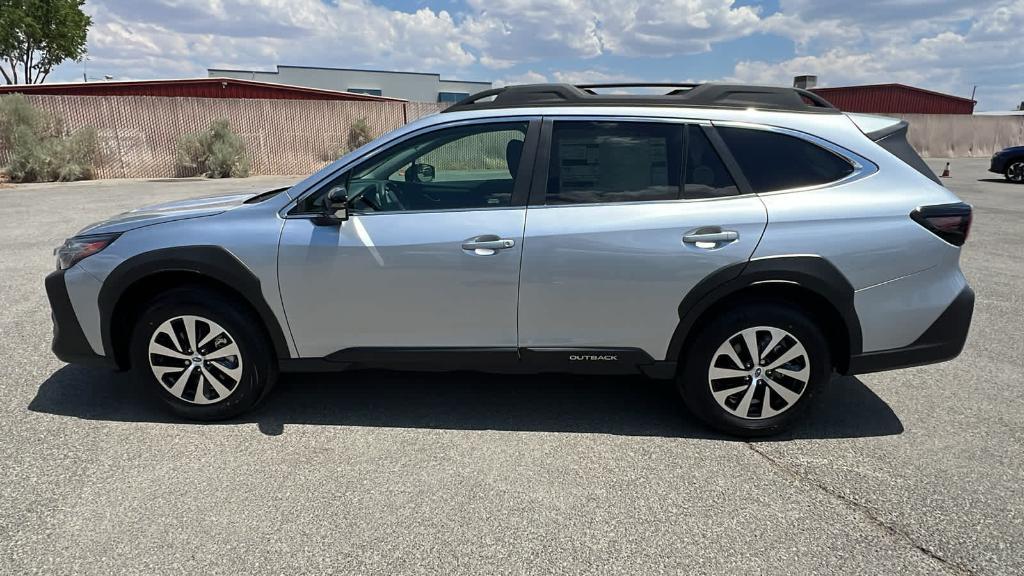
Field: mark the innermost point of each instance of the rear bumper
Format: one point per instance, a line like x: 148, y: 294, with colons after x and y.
x: 942, y: 341
x: 997, y: 165
x: 69, y: 342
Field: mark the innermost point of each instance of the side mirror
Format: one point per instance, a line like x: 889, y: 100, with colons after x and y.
x: 422, y: 173
x: 334, y: 206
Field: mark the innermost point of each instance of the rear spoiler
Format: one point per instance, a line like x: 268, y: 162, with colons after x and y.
x: 891, y: 134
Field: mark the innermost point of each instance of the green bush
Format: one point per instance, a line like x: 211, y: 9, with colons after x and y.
x: 40, y: 148
x: 217, y: 153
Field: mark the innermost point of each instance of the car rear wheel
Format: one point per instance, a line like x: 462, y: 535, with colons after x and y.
x: 1015, y: 171
x: 753, y: 370
x: 205, y: 358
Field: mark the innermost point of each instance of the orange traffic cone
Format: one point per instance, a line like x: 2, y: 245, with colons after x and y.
x: 945, y: 173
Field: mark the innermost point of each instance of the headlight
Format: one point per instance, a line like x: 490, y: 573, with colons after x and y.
x: 75, y: 249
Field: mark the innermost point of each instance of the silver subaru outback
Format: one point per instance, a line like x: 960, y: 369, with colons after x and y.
x: 746, y: 242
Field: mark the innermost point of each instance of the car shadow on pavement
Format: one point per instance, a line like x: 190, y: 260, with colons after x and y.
x: 630, y: 406
x: 998, y: 181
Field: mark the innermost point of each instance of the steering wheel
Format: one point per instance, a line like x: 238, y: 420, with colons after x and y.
x: 367, y: 195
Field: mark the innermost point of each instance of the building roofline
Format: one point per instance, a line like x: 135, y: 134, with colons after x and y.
x: 277, y: 70
x: 893, y: 85
x: 28, y: 88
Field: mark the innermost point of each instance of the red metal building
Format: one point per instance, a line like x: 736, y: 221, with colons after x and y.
x: 894, y: 99
x: 192, y: 88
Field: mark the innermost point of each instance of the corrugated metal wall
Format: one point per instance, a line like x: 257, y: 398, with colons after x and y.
x: 139, y: 134
x: 894, y: 100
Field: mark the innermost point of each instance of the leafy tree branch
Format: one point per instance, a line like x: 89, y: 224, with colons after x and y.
x: 37, y: 35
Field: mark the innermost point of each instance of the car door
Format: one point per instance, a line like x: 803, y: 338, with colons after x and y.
x: 626, y: 216
x: 430, y: 254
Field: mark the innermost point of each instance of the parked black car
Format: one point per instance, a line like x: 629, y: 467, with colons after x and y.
x: 1010, y: 163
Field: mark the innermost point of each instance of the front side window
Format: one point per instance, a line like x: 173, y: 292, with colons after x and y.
x: 773, y: 161
x: 465, y: 167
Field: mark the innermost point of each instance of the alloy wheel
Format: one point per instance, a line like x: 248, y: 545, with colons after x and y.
x: 195, y: 359
x: 1015, y: 172
x: 759, y: 373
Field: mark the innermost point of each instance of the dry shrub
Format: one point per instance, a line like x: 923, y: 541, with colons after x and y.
x: 359, y: 133
x: 40, y: 147
x: 216, y: 153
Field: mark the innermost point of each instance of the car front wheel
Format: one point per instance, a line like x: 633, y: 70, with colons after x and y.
x: 752, y: 371
x: 202, y: 355
x: 1015, y: 171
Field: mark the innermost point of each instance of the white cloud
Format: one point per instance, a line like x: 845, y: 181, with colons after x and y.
x: 947, y: 45
x: 528, y: 77
x: 671, y: 27
x: 170, y: 36
x: 166, y: 37
x: 530, y: 30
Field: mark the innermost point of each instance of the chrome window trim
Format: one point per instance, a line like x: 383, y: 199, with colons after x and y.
x: 445, y: 211
x: 862, y: 167
x: 642, y: 202
x: 387, y: 145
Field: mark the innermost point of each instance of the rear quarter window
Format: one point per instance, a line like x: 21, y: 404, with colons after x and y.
x: 773, y: 161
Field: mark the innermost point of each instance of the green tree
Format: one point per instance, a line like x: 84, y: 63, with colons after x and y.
x: 36, y: 35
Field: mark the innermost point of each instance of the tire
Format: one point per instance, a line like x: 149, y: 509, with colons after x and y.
x: 232, y: 349
x: 1015, y: 171
x: 724, y: 398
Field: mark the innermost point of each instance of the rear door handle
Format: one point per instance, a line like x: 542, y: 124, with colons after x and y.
x: 487, y: 244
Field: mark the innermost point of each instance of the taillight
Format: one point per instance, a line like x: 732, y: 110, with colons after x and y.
x: 951, y: 222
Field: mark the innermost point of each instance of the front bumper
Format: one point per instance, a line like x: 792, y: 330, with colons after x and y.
x: 942, y: 341
x: 69, y: 343
x: 997, y: 165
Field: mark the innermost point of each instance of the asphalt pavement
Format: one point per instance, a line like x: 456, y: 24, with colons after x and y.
x: 918, y: 471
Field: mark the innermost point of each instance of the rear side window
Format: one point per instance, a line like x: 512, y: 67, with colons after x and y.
x: 773, y: 161
x: 593, y: 162
x: 706, y: 174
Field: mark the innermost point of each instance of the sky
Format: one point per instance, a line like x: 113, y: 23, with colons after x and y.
x: 944, y: 45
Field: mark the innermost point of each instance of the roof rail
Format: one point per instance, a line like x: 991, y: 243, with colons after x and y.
x: 713, y: 95
x: 590, y: 87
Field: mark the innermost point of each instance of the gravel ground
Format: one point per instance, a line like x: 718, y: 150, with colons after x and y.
x: 912, y: 472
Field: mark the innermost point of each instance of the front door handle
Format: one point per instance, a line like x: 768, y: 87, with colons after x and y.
x: 724, y: 236
x: 487, y: 244
x: 710, y: 237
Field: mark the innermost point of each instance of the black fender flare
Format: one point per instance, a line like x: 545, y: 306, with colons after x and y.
x: 211, y: 262
x: 812, y: 273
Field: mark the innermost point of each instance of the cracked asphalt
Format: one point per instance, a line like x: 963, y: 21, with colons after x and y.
x: 918, y: 471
